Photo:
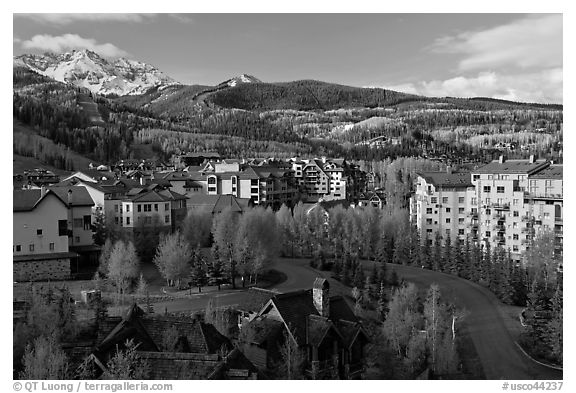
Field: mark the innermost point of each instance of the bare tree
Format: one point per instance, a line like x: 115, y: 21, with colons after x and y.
x: 44, y: 360
x: 173, y: 257
x: 123, y: 266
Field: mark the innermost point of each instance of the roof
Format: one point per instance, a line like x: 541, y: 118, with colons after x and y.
x: 256, y: 299
x: 149, y: 196
x: 80, y: 196
x: 513, y: 166
x: 172, y: 195
x: 26, y: 200
x: 205, y: 154
x: 218, y: 203
x: 443, y: 179
x: 264, y: 329
x: 552, y: 172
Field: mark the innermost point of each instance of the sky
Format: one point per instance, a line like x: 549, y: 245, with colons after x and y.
x: 509, y: 56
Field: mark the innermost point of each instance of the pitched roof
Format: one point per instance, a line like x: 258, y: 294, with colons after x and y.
x: 255, y: 300
x: 80, y: 196
x: 452, y: 180
x: 512, y: 166
x: 26, y: 200
x: 172, y: 195
x: 552, y: 172
x: 149, y: 196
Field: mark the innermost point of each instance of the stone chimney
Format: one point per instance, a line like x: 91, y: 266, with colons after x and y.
x: 501, y: 159
x: 532, y: 160
x: 321, y: 296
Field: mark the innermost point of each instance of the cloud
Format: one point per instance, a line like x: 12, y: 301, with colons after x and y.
x: 531, y: 42
x: 542, y: 86
x: 66, y: 42
x: 66, y: 19
x: 183, y: 18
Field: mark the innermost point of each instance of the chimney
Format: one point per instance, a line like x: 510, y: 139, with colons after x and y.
x: 321, y: 296
x: 69, y: 197
x: 142, y: 180
x: 532, y: 160
x: 42, y: 191
x: 501, y: 160
x: 449, y: 170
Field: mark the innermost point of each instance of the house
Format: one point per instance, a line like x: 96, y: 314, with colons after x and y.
x: 174, y: 347
x: 324, y: 328
x: 372, y: 198
x: 40, y: 236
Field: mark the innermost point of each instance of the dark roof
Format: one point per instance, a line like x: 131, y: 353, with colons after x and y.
x: 255, y: 300
x: 178, y: 365
x: 265, y: 329
x: 172, y: 195
x: 294, y: 308
x: 443, y: 179
x: 513, y: 166
x: 80, y: 196
x: 316, y: 329
x: 552, y: 172
x: 149, y: 196
x: 26, y: 200
x: 218, y: 203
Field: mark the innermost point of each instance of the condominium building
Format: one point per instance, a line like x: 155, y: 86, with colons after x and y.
x: 444, y: 202
x: 504, y: 203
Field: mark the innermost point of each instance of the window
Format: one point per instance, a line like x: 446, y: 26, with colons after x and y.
x: 487, y: 233
x: 515, y: 248
x: 475, y: 177
x: 514, y: 225
x: 461, y: 220
x: 448, y: 210
x: 515, y: 213
x: 127, y: 208
x: 51, y: 246
x: 447, y: 221
x: 490, y: 177
x: 488, y: 212
x: 77, y: 223
x: 444, y: 199
x: 460, y: 199
x: 139, y: 208
x: 474, y: 201
x: 429, y: 230
x: 166, y: 206
x: 155, y: 207
x: 166, y: 219
x: 514, y: 202
x: 31, y: 247
x: 254, y: 182
x: 487, y: 201
x: 486, y: 188
x: 428, y: 210
x: 460, y: 210
x: 546, y: 215
x: 116, y: 208
x: 62, y: 228
x: 39, y: 232
x: 460, y: 231
x: 500, y: 189
x: 429, y: 221
x: 127, y: 220
x: 77, y: 239
x: 116, y: 220
x: 18, y: 248
x: 434, y: 200
x: 515, y: 236
x: 87, y: 223
x: 448, y: 232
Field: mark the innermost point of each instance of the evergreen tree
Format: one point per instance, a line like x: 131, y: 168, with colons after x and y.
x: 447, y: 253
x: 425, y: 257
x: 215, y: 274
x: 99, y: 230
x: 359, y: 277
x: 374, y: 274
x: 199, y: 277
x: 553, y: 336
x: 437, y: 253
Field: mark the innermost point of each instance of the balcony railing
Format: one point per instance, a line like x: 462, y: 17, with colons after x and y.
x: 501, y: 206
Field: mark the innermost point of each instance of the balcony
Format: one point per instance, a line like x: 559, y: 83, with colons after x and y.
x: 501, y: 206
x: 527, y: 218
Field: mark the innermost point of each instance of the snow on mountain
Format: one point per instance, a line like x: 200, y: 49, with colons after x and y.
x: 244, y: 78
x: 87, y: 69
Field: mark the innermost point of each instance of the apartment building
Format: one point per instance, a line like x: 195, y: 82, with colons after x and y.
x: 321, y: 178
x: 505, y: 203
x: 444, y: 202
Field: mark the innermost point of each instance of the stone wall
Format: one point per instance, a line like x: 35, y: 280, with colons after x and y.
x: 50, y: 269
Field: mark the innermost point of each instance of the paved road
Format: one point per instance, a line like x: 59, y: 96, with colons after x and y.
x: 496, y: 349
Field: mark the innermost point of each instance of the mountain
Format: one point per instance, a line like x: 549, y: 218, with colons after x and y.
x: 238, y: 80
x: 88, y: 69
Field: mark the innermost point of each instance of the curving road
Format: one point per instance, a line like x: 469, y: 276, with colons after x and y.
x: 498, y: 353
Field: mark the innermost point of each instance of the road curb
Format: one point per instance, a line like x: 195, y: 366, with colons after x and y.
x: 536, y: 361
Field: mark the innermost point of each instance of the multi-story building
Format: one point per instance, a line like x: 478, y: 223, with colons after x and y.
x: 322, y: 178
x: 42, y: 232
x: 506, y: 203
x: 444, y: 202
